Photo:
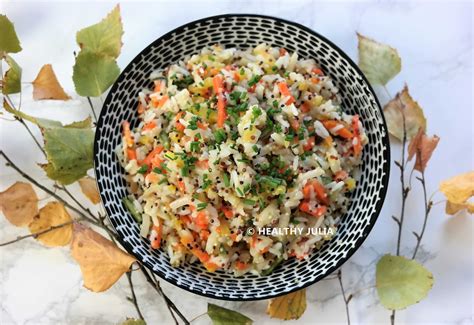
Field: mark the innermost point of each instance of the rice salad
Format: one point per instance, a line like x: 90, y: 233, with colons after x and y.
x: 233, y: 141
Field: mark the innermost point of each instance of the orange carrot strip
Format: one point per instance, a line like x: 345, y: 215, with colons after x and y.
x: 148, y: 159
x: 309, y: 143
x: 317, y: 71
x: 343, y: 132
x: 131, y: 154
x: 283, y: 87
x: 305, y: 107
x: 162, y: 101
x: 181, y: 186
x: 241, y: 265
x: 156, y: 242
x: 204, y: 164
x: 202, y: 221
x: 319, y: 191
x: 149, y: 126
x: 227, y: 212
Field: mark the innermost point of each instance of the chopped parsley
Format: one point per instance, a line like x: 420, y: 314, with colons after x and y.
x: 143, y: 169
x: 220, y: 135
x: 201, y: 206
x: 253, y: 81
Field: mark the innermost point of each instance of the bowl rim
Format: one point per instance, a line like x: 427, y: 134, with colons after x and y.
x: 385, y: 141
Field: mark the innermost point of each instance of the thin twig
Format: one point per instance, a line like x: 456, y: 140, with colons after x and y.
x: 134, y: 298
x: 92, y: 108
x: 169, y: 303
x: 428, y: 205
x: 37, y: 234
x: 346, y: 299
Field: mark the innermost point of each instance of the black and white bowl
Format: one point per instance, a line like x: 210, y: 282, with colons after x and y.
x: 243, y: 30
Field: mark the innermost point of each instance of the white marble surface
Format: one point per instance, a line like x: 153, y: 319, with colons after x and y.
x: 43, y: 286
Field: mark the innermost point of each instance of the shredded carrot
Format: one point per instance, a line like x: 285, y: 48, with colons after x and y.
x: 204, y: 234
x: 186, y: 238
x: 148, y: 159
x: 202, y: 221
x: 218, y: 84
x: 185, y: 219
x: 227, y: 212
x: 319, y: 191
x: 200, y: 254
x: 236, y: 76
x: 317, y: 212
x: 181, y: 186
x: 149, y: 126
x: 317, y: 71
x: 211, y: 266
x: 241, y: 265
x: 162, y: 101
x: 234, y: 237
x: 305, y: 107
x: 158, y: 86
x: 180, y: 127
x: 295, y: 125
x: 309, y: 143
x: 152, y: 178
x: 201, y: 125
x: 127, y: 134
x: 283, y: 87
x: 204, y: 164
x: 282, y: 51
x: 343, y: 132
x: 131, y: 154
x: 156, y: 241
x: 314, y: 80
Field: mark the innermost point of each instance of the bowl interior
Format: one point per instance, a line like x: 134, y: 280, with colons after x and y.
x: 244, y: 31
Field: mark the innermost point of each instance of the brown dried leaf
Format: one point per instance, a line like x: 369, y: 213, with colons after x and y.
x: 46, y: 85
x: 422, y: 146
x: 53, y: 214
x: 102, y: 262
x: 19, y: 204
x: 458, y: 190
x: 89, y: 188
x: 414, y: 117
x: 290, y: 306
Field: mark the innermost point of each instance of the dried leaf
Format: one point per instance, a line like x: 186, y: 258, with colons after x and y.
x: 19, y: 204
x: 223, y: 316
x: 458, y: 190
x: 69, y: 148
x: 8, y: 39
x: 102, y: 262
x: 89, y: 188
x: 104, y: 37
x: 46, y: 85
x: 53, y: 214
x: 290, y: 306
x: 414, y: 117
x: 401, y: 282
x: 422, y: 146
x: 12, y: 80
x: 379, y: 62
x: 94, y: 73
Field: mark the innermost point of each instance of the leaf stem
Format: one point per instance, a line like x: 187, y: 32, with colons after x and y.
x: 92, y: 108
x: 37, y: 234
x: 171, y: 307
x: 346, y: 299
x: 134, y: 298
x: 428, y: 206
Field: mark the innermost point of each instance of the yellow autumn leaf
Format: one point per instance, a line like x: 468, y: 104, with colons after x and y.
x: 46, y: 85
x: 89, y: 188
x: 51, y: 215
x: 19, y: 204
x: 102, y: 262
x: 290, y: 306
x: 414, y: 117
x: 458, y: 190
